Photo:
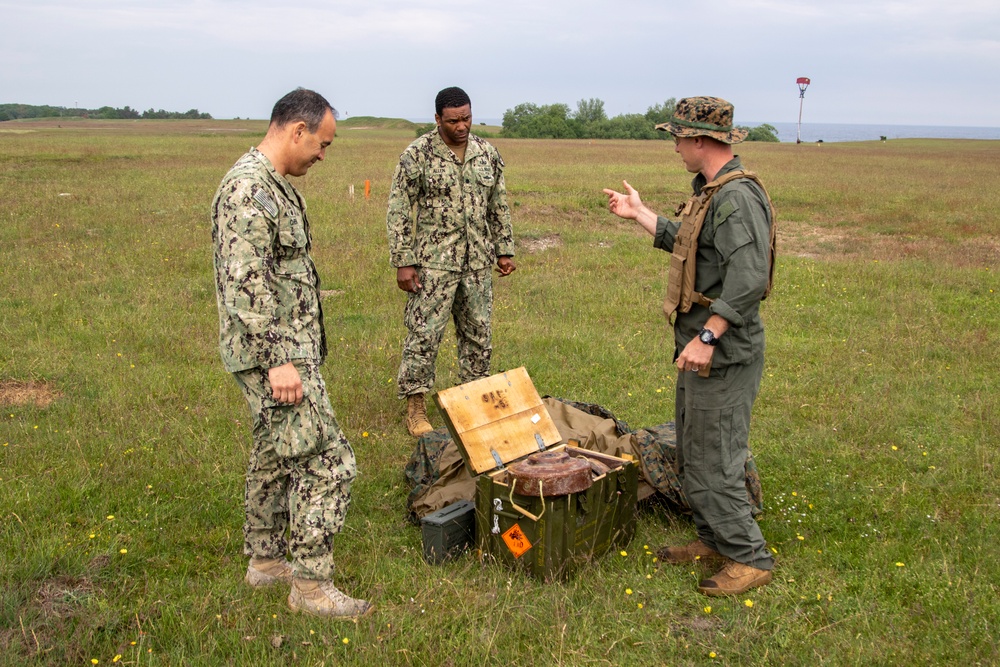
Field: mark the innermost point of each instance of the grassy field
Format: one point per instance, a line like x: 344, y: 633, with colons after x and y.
x: 123, y: 442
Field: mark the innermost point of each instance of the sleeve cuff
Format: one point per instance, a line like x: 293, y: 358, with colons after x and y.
x: 725, y: 311
x: 659, y: 238
x: 400, y: 260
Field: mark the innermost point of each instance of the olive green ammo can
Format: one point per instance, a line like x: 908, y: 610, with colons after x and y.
x: 448, y: 532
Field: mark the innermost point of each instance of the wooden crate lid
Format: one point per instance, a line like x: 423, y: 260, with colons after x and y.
x: 497, y: 420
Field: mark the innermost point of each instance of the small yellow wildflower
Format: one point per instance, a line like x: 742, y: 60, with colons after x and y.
x: 364, y: 434
x: 116, y: 658
x: 748, y: 603
x: 123, y: 551
x: 623, y: 553
x: 900, y: 564
x: 346, y: 641
x: 628, y: 591
x: 894, y: 448
x: 708, y: 610
x: 711, y: 654
x: 640, y: 605
x: 111, y: 517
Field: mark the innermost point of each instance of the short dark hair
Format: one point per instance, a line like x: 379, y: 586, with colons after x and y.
x: 450, y: 98
x: 301, y: 105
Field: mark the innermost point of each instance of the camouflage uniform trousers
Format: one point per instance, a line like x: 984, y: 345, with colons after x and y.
x: 299, y: 475
x: 713, y: 433
x: 466, y: 297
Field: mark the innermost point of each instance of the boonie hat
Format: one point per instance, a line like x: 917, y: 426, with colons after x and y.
x: 704, y: 117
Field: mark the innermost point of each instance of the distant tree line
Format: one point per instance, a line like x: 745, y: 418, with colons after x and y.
x: 15, y: 111
x: 589, y: 121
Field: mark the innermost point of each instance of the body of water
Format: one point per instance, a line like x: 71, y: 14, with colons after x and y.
x: 829, y: 132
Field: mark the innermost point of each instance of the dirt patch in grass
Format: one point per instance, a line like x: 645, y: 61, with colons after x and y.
x: 17, y: 393
x: 541, y: 244
x: 62, y: 597
x: 802, y: 239
x: 326, y: 293
x: 56, y: 615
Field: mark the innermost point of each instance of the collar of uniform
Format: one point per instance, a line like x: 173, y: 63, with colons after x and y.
x: 699, y: 181
x: 472, y: 148
x: 286, y: 187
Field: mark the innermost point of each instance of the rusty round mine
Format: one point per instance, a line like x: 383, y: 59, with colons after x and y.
x: 559, y: 473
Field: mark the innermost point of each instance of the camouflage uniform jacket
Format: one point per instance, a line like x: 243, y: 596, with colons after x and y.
x: 267, y: 286
x: 462, y: 217
x: 733, y: 266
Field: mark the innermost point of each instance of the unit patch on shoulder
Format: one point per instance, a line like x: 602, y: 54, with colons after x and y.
x: 265, y: 201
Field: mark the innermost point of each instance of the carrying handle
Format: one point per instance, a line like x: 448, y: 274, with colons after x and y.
x: 523, y: 511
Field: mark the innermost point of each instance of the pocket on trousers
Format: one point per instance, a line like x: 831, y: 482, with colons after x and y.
x: 297, y: 430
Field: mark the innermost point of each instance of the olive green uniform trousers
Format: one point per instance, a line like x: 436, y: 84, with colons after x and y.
x: 712, y: 416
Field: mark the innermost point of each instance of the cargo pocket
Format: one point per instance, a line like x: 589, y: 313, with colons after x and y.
x: 297, y: 430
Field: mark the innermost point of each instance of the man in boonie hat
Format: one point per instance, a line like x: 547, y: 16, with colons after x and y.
x: 722, y: 254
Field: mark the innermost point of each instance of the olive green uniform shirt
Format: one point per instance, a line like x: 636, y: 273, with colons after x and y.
x: 267, y: 287
x: 732, y: 267
x: 462, y: 218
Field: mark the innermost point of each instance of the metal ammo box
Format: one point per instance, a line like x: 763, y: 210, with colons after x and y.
x: 501, y: 420
x: 448, y: 532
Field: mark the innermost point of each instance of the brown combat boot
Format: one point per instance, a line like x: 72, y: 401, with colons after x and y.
x: 734, y: 579
x: 696, y: 551
x: 267, y: 572
x: 321, y: 598
x: 416, y: 416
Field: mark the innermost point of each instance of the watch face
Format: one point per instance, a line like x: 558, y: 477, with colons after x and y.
x: 707, y: 337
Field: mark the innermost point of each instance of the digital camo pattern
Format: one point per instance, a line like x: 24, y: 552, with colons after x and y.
x: 462, y: 219
x: 466, y: 298
x: 267, y: 287
x: 299, y: 475
x: 704, y: 116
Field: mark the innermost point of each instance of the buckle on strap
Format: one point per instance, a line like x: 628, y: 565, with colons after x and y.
x: 701, y: 299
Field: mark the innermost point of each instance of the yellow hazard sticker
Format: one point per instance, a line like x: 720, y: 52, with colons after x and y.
x: 516, y: 540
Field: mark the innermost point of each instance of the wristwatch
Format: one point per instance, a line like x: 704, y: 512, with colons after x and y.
x: 707, y: 337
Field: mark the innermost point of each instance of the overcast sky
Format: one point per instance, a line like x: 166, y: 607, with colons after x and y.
x: 919, y: 62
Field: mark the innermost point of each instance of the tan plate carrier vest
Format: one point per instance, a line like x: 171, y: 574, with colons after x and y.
x: 680, y: 279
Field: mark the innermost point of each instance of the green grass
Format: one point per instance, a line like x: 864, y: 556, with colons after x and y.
x: 875, y: 431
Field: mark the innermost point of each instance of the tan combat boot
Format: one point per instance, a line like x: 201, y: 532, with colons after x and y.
x: 734, y: 579
x: 416, y: 416
x: 268, y: 571
x: 696, y: 551
x: 321, y: 598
